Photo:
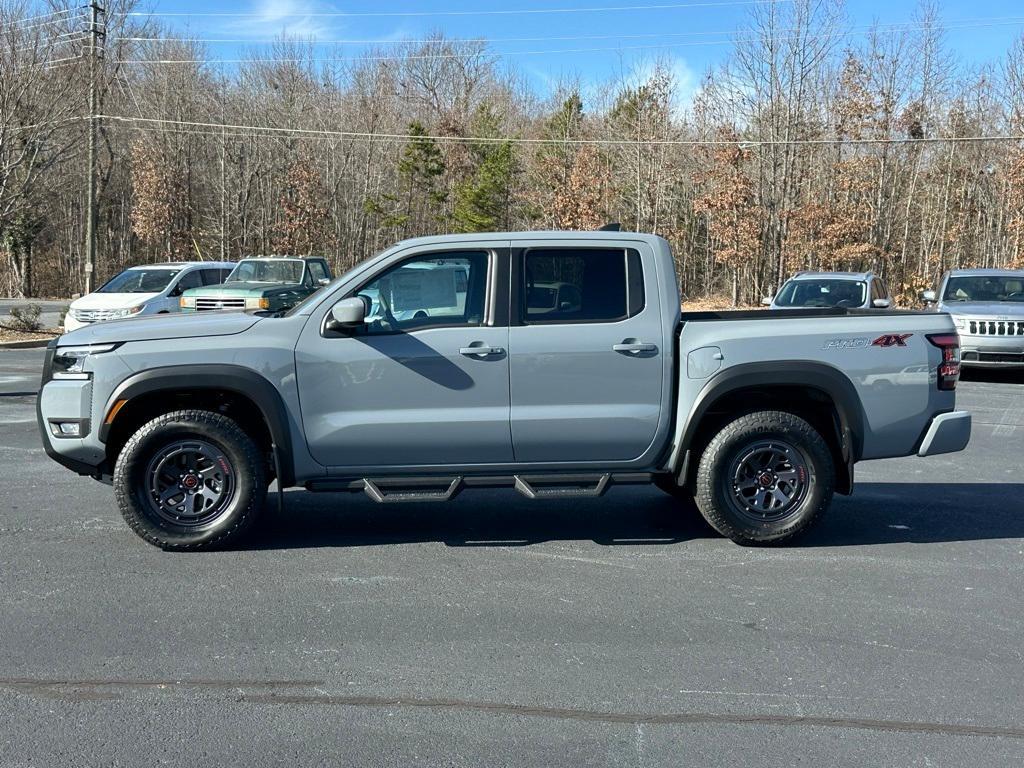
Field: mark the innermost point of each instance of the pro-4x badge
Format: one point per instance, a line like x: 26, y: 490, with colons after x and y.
x: 892, y: 340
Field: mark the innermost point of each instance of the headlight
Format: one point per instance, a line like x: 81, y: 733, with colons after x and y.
x: 959, y: 322
x: 69, y: 362
x: 127, y: 311
x: 261, y: 303
x: 187, y: 302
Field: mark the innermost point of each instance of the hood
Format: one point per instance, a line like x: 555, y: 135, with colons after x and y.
x: 111, y: 300
x: 178, y: 325
x: 241, y: 289
x: 988, y: 309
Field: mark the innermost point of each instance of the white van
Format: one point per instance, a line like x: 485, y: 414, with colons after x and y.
x: 149, y: 289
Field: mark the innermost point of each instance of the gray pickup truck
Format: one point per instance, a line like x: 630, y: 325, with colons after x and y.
x: 558, y: 364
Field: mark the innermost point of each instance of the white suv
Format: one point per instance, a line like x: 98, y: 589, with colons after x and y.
x: 810, y: 290
x: 149, y: 289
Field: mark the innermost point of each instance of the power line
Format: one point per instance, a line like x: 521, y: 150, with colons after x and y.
x: 64, y: 20
x: 151, y: 123
x: 496, y: 54
x: 863, y: 29
x: 475, y: 12
x: 426, y: 56
x: 45, y: 124
x: 22, y: 20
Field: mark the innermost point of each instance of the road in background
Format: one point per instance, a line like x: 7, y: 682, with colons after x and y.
x: 498, y: 631
x: 50, y: 315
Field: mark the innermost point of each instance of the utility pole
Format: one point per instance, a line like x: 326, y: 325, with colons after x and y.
x: 96, y: 34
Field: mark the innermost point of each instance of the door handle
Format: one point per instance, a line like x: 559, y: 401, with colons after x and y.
x: 481, y: 351
x: 634, y: 347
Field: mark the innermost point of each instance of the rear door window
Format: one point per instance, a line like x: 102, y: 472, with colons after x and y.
x: 580, y: 285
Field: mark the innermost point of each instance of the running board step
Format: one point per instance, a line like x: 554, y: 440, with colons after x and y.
x: 564, y: 486
x: 387, y: 490
x: 397, y: 489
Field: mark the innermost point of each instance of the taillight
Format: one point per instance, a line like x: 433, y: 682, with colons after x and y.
x: 949, y: 368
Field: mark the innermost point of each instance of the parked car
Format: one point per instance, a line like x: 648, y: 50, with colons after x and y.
x: 758, y: 416
x: 273, y: 283
x: 987, y: 306
x: 149, y: 289
x: 853, y: 290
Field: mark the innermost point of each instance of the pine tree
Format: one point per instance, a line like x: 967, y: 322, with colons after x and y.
x: 483, y: 201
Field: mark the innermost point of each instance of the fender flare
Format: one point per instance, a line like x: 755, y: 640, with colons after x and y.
x: 792, y: 373
x: 222, y: 378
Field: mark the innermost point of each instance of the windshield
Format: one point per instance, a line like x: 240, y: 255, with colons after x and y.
x: 267, y: 272
x: 307, y: 302
x: 139, y: 281
x: 822, y: 293
x: 985, y: 288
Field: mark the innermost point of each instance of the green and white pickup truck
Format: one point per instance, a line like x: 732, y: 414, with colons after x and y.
x: 272, y: 283
x: 556, y: 364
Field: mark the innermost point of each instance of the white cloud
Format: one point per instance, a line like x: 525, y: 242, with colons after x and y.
x: 294, y: 18
x: 686, y: 82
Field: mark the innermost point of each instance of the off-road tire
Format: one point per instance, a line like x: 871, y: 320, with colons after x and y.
x: 247, y: 473
x: 715, y: 483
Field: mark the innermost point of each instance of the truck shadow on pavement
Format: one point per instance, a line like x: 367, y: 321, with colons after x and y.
x: 878, y: 513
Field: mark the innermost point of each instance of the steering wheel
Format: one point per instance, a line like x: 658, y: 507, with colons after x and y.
x: 847, y: 303
x: 1016, y: 296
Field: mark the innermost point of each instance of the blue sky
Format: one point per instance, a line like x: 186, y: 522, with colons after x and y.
x: 979, y: 30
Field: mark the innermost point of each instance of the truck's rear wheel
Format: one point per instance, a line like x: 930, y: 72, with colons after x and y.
x: 764, y: 478
x: 190, y: 480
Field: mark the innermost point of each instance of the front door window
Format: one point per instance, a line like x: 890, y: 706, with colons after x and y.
x: 429, y: 291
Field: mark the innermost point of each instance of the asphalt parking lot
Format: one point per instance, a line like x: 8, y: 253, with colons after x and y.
x: 497, y: 631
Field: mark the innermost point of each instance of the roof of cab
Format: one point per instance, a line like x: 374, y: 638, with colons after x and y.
x: 531, y: 235
x: 182, y: 264
x: 832, y: 275
x: 986, y: 272
x: 282, y: 257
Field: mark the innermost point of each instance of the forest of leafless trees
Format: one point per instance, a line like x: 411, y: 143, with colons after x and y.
x: 812, y: 146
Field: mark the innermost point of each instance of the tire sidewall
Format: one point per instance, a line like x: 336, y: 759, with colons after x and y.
x: 132, y: 464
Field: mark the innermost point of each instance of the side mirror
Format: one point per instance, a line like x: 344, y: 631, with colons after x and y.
x: 767, y: 301
x: 348, y: 314
x: 928, y: 297
x: 881, y: 303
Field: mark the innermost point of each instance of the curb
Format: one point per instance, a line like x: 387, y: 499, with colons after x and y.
x: 24, y: 344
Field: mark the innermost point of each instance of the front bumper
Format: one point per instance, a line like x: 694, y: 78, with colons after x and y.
x: 947, y: 433
x: 69, y: 400
x: 64, y: 401
x: 991, y: 351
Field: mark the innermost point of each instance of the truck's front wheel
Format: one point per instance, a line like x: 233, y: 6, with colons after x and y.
x: 190, y: 480
x: 764, y: 478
